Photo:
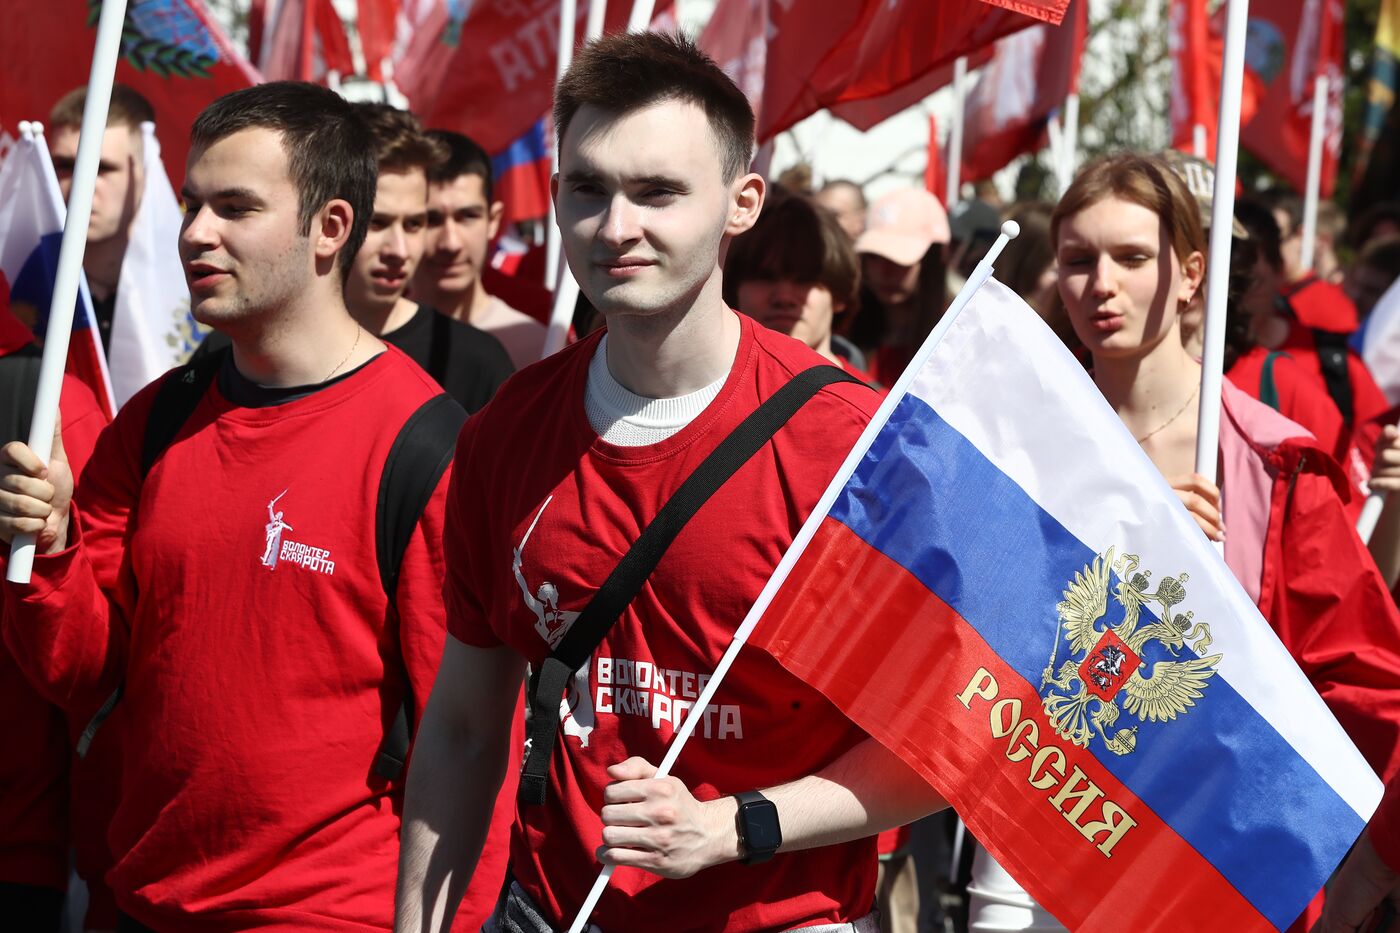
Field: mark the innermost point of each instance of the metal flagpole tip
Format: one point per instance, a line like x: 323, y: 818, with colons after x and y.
x: 1011, y: 229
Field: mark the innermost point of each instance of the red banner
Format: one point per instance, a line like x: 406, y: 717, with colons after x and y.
x: 1290, y: 43
x: 496, y: 85
x: 172, y: 52
x: 1195, y: 75
x: 1030, y: 75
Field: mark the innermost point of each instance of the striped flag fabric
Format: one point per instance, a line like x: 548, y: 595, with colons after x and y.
x: 521, y: 174
x: 1004, y: 592
x: 31, y: 231
x: 152, y: 327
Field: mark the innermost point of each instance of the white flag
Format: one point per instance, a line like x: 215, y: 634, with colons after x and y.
x: 152, y: 328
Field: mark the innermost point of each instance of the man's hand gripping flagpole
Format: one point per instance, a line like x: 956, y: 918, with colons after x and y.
x: 70, y: 258
x: 1009, y: 231
x: 1221, y: 222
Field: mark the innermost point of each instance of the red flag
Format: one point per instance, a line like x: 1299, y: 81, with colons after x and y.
x: 494, y: 87
x: 935, y: 172
x: 864, y: 115
x: 1290, y: 43
x: 376, y: 24
x: 891, y: 47
x: 306, y: 42
x: 172, y: 52
x: 797, y: 56
x: 1195, y: 84
x: 1030, y: 75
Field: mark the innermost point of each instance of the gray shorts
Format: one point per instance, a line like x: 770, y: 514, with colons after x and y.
x: 516, y: 913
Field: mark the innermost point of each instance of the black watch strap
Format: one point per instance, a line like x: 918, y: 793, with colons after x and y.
x: 760, y: 834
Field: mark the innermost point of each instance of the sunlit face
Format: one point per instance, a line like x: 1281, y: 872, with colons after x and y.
x: 800, y: 310
x: 643, y: 206
x: 241, y: 241
x: 1290, y: 244
x: 461, y: 225
x: 892, y: 283
x: 1121, y: 283
x: 120, y: 175
x: 394, y: 244
x: 845, y: 202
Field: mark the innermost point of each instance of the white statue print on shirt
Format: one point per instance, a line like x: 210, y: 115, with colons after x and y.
x: 275, y: 527
x: 551, y: 622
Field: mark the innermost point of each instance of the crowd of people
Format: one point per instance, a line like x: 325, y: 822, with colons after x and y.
x: 295, y: 611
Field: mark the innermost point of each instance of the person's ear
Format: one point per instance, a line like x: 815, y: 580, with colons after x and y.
x: 745, y: 204
x: 331, y: 229
x: 1193, y: 272
x: 494, y: 215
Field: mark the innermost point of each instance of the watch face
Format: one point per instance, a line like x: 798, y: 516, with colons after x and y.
x: 761, y: 831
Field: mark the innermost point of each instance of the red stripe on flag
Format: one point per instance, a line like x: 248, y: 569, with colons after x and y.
x: 983, y: 754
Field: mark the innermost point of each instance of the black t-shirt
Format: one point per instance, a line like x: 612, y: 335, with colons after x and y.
x: 466, y: 361
x: 103, y: 309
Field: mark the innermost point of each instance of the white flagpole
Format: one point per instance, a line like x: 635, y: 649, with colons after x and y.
x: 1370, y: 516
x: 1222, y: 220
x: 642, y: 11
x: 1314, y: 182
x: 566, y: 290
x: 1069, y: 150
x: 568, y: 20
x: 1057, y: 145
x: 70, y: 257
x: 955, y: 132
x: 556, y: 271
x: 1009, y: 230
x: 597, y: 13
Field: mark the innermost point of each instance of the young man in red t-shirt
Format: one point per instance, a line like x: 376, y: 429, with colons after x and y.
x: 553, y: 482
x: 233, y: 589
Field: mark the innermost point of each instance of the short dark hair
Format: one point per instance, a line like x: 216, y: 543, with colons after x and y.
x: 1258, y: 219
x: 329, y: 153
x: 128, y: 108
x: 464, y: 157
x: 398, y: 138
x: 628, y: 71
x: 794, y: 240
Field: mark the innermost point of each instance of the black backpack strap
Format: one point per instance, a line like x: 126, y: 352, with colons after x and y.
x: 19, y: 384
x: 419, y: 456
x: 1333, y: 356
x: 176, y: 399
x: 547, y: 684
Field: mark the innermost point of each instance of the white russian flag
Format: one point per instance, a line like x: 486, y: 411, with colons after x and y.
x: 1380, y: 346
x: 152, y: 327
x: 32, y: 213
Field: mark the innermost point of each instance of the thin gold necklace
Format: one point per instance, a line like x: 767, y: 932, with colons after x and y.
x: 358, y: 329
x: 1178, y: 414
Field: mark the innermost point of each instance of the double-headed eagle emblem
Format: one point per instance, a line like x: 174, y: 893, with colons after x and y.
x: 1106, y: 660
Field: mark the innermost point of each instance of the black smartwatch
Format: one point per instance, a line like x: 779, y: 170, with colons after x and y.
x: 759, y: 832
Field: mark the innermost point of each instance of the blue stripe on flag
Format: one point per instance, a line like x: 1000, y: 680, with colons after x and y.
x: 530, y: 147
x: 1220, y: 775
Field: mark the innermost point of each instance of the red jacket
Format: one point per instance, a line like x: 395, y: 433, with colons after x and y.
x: 1318, y: 586
x: 36, y: 826
x: 1385, y: 827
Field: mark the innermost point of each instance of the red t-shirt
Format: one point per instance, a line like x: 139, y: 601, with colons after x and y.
x: 1385, y: 826
x: 588, y: 500
x: 237, y: 592
x: 34, y: 819
x: 1322, y: 305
